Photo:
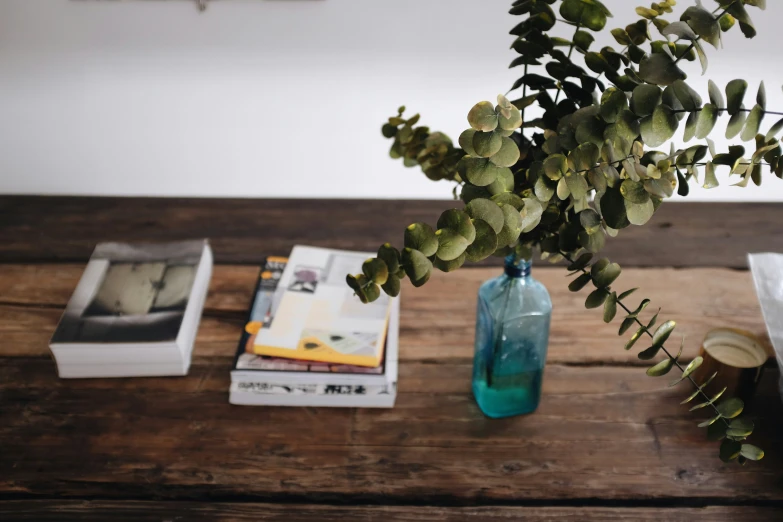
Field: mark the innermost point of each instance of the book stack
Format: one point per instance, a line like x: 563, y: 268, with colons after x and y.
x: 309, y: 341
x: 135, y: 311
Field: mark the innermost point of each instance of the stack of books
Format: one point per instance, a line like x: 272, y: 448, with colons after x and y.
x: 135, y: 311
x: 309, y: 341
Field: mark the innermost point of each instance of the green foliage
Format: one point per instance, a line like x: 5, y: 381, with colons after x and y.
x: 588, y: 165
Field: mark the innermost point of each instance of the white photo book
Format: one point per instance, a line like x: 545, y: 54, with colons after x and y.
x: 135, y: 311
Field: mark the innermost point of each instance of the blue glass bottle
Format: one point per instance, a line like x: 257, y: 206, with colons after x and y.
x: 512, y: 334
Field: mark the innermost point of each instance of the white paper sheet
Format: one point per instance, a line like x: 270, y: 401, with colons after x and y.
x: 767, y: 272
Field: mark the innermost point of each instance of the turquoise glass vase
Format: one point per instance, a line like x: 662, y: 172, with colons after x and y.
x: 512, y: 335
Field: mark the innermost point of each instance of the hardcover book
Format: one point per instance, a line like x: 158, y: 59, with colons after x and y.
x: 314, y: 316
x: 275, y: 381
x: 135, y: 311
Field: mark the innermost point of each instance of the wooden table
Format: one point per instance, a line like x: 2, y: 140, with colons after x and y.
x: 607, y: 443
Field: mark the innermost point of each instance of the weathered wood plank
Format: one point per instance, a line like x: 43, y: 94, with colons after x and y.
x: 605, y: 433
x: 35, y: 228
x: 437, y: 320
x: 50, y: 510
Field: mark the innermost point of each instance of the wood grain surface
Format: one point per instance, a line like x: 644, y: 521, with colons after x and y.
x: 607, y: 443
x: 100, y: 511
x: 34, y: 228
x: 601, y: 433
x: 437, y: 321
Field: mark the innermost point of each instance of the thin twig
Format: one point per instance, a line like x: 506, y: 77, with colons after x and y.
x: 724, y: 109
x: 669, y: 355
x: 570, y: 51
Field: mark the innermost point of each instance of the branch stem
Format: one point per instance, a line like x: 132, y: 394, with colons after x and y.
x: 724, y: 109
x: 669, y: 355
x: 570, y: 51
x: 693, y: 43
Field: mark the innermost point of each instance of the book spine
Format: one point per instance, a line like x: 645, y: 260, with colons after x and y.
x: 270, y: 388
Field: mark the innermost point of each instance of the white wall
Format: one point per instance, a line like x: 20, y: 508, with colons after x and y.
x: 267, y: 98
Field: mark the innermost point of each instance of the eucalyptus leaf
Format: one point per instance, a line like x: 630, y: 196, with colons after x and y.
x: 613, y: 103
x: 751, y: 452
x: 661, y: 369
x: 545, y: 188
x: 486, y: 144
x: 690, y: 126
x: 555, y: 166
x: 482, y: 117
x: 774, y: 130
x: 688, y: 98
x: 649, y: 353
x: 626, y: 325
x: 511, y: 122
x: 735, y: 93
x: 639, y: 213
x: 375, y: 270
x: 488, y: 211
x: 358, y: 284
x: 635, y: 337
x: 663, y: 332
x: 634, y: 192
x: 709, y: 422
x: 579, y: 283
x: 392, y: 286
x: 716, y: 96
x: 660, y: 69
x: 458, y: 221
x: 703, y: 24
x: 417, y: 266
x: 708, y: 117
x: 736, y: 123
x: 512, y: 225
x: 699, y: 389
x: 612, y: 205
x: 659, y: 127
x: 451, y: 244
x: 485, y: 243
x: 640, y: 308
x: 610, y: 307
x: 710, y: 181
x: 645, y: 98
x: 531, y: 214
x: 730, y: 408
x: 740, y: 427
x: 604, y: 273
x: 507, y: 155
x: 753, y: 123
x: 581, y: 262
x: 577, y: 185
x: 390, y: 256
x: 479, y: 171
x: 596, y: 298
x: 421, y: 237
x: 591, y: 14
x: 709, y: 402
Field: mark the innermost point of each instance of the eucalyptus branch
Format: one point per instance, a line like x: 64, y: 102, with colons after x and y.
x: 646, y: 330
x: 725, y: 109
x: 602, y: 274
x: 540, y: 193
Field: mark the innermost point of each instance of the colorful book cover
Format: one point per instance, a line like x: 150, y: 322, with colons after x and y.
x: 315, y: 316
x: 258, y: 318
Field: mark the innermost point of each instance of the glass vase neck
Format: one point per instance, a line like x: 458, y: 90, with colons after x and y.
x: 516, y: 267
